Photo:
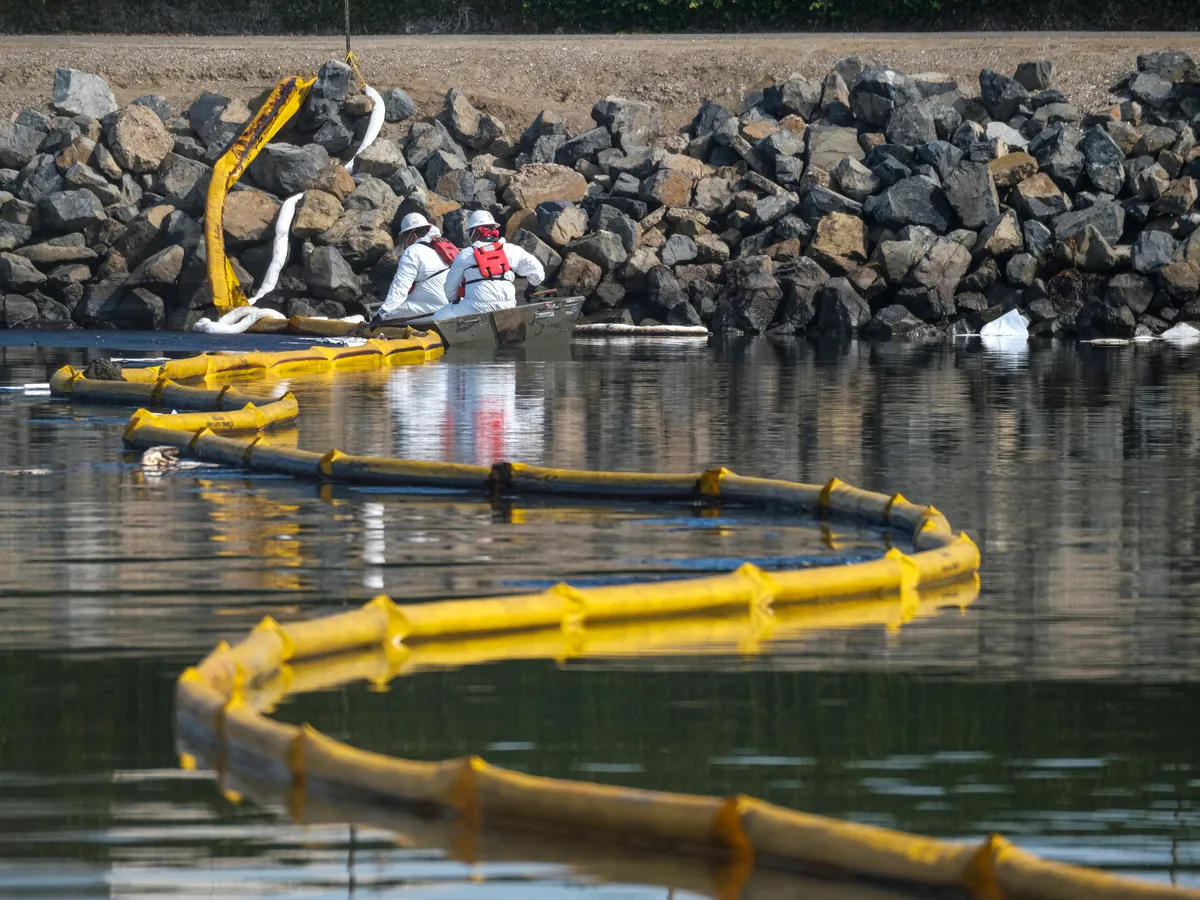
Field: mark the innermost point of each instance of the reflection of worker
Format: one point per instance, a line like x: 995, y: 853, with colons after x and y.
x: 481, y: 277
x: 418, y: 286
x: 469, y: 414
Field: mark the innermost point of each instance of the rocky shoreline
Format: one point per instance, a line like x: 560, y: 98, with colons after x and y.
x: 870, y: 202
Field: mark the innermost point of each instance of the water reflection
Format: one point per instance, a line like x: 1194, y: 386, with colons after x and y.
x: 1059, y: 707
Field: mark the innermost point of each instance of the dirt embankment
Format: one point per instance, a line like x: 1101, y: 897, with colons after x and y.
x: 516, y: 77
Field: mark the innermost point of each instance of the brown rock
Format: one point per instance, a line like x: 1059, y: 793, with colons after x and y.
x: 437, y: 206
x: 81, y: 150
x: 360, y: 236
x: 839, y: 243
x: 756, y: 131
x: 1000, y: 238
x: 522, y: 218
x: 784, y: 250
x: 315, y: 214
x: 1180, y: 281
x: 249, y: 216
x: 138, y: 140
x: 539, y: 182
x: 1012, y: 168
x: 334, y: 179
x: 668, y: 187
x: 578, y: 276
x: 794, y: 124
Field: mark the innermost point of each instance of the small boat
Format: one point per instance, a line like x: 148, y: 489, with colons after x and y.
x: 543, y: 321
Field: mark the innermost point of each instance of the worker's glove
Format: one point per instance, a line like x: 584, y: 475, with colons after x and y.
x: 376, y: 321
x: 529, y: 289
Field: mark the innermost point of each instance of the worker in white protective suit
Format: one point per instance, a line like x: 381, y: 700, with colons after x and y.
x: 481, y: 277
x: 418, y: 286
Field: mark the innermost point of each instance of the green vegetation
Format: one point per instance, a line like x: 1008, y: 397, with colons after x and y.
x: 383, y: 16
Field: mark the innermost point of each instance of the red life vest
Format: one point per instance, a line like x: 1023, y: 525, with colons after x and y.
x: 444, y: 249
x: 492, y: 262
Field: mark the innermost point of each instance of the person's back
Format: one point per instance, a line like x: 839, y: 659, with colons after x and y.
x: 418, y: 288
x: 481, y: 277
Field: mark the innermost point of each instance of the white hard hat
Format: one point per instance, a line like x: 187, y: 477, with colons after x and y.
x: 479, y: 218
x: 413, y: 221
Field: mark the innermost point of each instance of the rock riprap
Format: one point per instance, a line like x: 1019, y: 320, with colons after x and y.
x: 865, y: 202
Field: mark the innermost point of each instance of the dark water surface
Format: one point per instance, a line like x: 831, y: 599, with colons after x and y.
x: 1061, y: 707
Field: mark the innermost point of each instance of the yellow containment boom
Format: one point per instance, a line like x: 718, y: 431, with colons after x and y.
x: 283, y: 103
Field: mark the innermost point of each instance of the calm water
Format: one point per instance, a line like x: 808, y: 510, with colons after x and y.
x: 1059, y: 707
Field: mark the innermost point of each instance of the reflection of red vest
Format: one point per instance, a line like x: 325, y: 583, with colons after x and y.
x: 446, y: 250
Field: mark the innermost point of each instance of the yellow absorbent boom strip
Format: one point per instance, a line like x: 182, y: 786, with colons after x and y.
x: 281, y: 104
x: 220, y: 701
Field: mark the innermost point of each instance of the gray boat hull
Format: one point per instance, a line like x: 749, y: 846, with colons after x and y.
x: 544, y: 321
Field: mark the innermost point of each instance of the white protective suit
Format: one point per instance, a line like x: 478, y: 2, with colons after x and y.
x: 487, y: 295
x: 423, y: 272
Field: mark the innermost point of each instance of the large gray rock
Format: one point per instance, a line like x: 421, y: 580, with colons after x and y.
x: 335, y: 134
x: 841, y: 312
x: 584, y: 146
x: 911, y: 201
x: 39, y: 178
x: 1035, y: 75
x: 327, y: 95
x: 855, y: 180
x: 397, y: 105
x: 1152, y: 251
x: 138, y: 140
x: 1058, y: 155
x: 559, y: 222
x: 632, y: 123
x: 877, y: 91
x: 1151, y: 90
x: 70, y: 210
x: 163, y: 268
x: 1107, y: 217
x: 543, y: 252
x: 18, y: 144
x: 81, y: 177
x: 911, y: 125
x: 939, y: 273
x: 800, y: 279
x: 328, y: 275
x: 679, y: 249
x: 78, y: 93
x: 609, y: 218
x: 183, y: 183
x: 18, y: 312
x: 829, y: 145
x: 287, y: 169
x: 796, y: 96
x: 470, y: 126
x: 1002, y: 96
x: 603, y: 248
x: 894, y: 321
x: 1128, y: 289
x: 971, y: 193
x: 382, y: 159
x: 1174, y: 66
x: 752, y: 293
x: 17, y: 274
x: 13, y: 235
x: 1103, y: 161
x: 157, y: 104
x: 361, y: 236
